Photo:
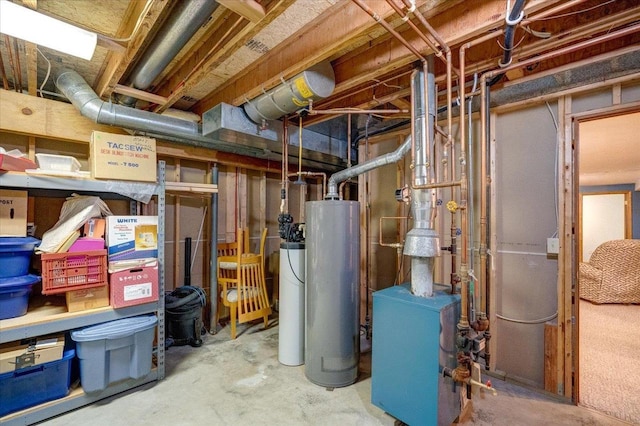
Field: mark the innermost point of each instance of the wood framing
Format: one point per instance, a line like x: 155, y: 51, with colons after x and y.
x: 116, y: 63
x: 249, y: 9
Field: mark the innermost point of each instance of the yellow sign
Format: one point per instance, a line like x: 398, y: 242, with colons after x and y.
x: 302, y: 87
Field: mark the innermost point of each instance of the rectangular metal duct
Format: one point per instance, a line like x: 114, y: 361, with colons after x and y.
x: 229, y: 124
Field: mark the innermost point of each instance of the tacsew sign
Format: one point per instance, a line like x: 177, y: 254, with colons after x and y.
x: 122, y: 157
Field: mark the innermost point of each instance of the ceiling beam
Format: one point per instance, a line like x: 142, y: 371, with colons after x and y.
x: 339, y: 27
x: 45, y: 118
x: 328, y: 34
x: 249, y: 9
x: 223, y: 41
x: 32, y: 56
x: 117, y: 62
x: 480, y: 16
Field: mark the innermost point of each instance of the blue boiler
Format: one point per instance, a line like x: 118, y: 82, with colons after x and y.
x: 413, y: 339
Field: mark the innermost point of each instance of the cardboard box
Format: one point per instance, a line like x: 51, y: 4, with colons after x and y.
x: 88, y: 298
x: 134, y: 286
x: 122, y: 157
x: 94, y: 228
x: 29, y: 352
x: 132, y: 237
x: 13, y: 213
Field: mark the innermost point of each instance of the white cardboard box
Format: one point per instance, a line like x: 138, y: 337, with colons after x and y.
x: 13, y: 213
x: 132, y: 237
x: 123, y: 157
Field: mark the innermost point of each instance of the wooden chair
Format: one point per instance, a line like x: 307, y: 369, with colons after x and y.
x: 242, y: 280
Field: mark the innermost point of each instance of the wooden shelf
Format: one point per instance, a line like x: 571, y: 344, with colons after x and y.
x: 49, y: 315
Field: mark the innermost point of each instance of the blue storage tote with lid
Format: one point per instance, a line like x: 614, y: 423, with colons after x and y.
x: 114, y: 351
x: 34, y: 385
x: 15, y: 255
x: 14, y: 295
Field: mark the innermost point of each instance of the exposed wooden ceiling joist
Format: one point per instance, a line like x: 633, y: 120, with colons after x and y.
x: 480, y: 17
x: 220, y: 44
x: 249, y: 9
x: 326, y: 35
x: 116, y: 63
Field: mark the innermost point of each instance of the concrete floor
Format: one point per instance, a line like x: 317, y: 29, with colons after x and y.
x: 240, y: 382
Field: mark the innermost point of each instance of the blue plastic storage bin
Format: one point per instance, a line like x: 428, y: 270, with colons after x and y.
x: 114, y: 351
x: 14, y: 295
x: 31, y: 386
x: 15, y: 255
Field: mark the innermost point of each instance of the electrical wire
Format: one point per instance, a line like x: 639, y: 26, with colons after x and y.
x: 46, y: 77
x: 570, y: 13
x: 555, y: 173
x: 536, y: 321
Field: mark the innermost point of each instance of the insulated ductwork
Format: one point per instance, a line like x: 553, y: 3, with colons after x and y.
x: 227, y: 128
x: 313, y: 84
x: 183, y: 22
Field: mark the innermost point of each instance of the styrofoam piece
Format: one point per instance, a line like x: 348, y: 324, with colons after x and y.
x: 63, y: 163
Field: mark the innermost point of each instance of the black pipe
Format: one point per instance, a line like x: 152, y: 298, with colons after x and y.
x: 213, y: 258
x: 487, y: 277
x: 187, y: 261
x: 509, y: 35
x: 379, y: 131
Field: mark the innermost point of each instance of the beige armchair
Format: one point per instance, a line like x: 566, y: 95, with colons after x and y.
x: 612, y: 274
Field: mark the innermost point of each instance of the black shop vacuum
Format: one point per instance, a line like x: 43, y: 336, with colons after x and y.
x: 183, y: 308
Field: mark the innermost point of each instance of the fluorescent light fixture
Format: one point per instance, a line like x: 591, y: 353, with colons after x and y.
x: 29, y: 25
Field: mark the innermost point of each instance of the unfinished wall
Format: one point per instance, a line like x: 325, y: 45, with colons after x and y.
x: 526, y: 289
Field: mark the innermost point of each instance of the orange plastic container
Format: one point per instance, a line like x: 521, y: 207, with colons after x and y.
x: 63, y: 272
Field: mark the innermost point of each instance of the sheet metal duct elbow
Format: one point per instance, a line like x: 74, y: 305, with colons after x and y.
x: 82, y: 96
x: 313, y: 84
x: 392, y: 157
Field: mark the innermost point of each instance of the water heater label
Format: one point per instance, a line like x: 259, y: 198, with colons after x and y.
x: 302, y: 87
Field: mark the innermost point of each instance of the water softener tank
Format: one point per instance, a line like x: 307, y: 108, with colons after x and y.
x: 332, y: 338
x: 291, y: 312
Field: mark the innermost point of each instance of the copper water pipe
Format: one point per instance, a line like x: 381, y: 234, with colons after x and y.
x: 483, y: 93
x: 426, y: 24
x: 388, y: 27
x: 5, y: 81
x: 313, y: 174
x: 355, y: 111
x: 559, y: 8
x: 567, y: 49
x: 405, y: 18
x: 483, y: 168
x: 284, y: 206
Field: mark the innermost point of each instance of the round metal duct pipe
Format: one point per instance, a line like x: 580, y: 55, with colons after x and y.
x: 313, y: 84
x: 184, y: 21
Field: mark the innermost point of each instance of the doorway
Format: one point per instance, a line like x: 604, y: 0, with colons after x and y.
x: 607, y: 365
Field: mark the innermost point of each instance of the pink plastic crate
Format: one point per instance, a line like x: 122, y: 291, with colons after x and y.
x: 63, y: 272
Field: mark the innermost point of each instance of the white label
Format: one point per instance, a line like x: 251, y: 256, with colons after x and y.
x: 137, y: 291
x: 46, y: 343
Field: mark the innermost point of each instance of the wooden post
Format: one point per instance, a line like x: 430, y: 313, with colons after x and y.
x: 551, y: 357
